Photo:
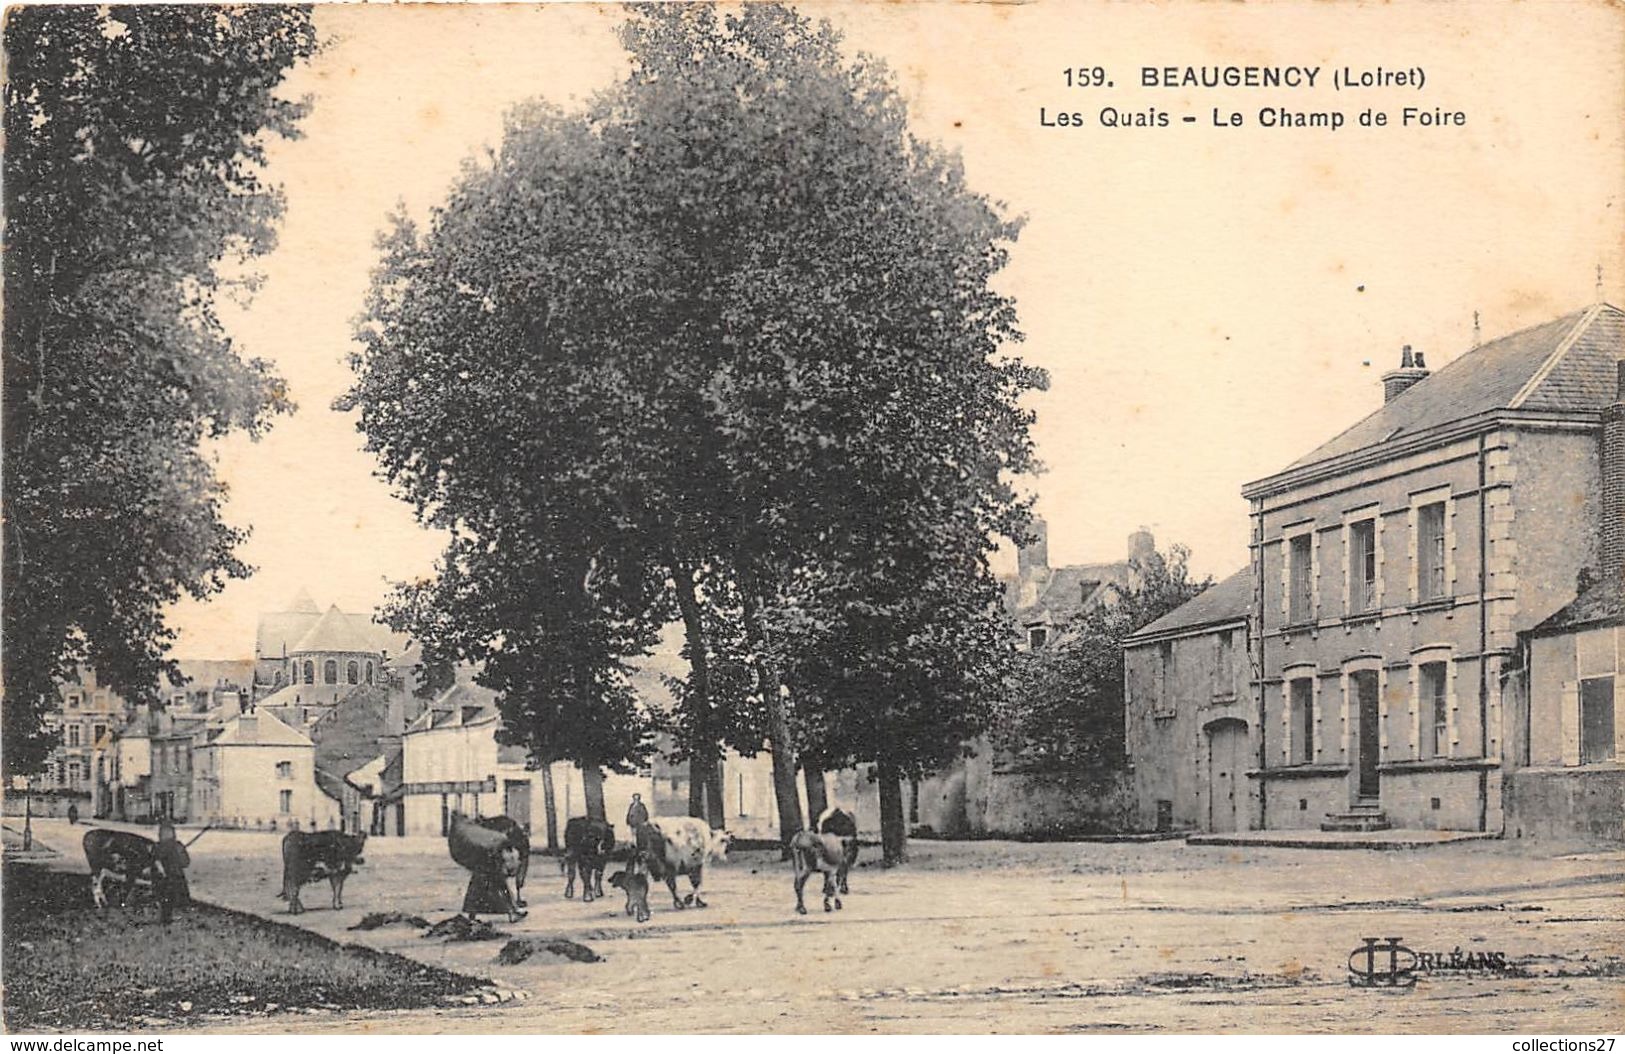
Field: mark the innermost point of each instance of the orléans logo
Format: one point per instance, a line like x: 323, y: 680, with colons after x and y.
x: 1382, y: 962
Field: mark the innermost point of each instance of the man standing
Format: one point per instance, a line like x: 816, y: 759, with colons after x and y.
x: 170, y: 861
x: 636, y: 815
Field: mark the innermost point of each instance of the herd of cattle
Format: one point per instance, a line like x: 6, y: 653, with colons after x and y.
x: 496, y: 853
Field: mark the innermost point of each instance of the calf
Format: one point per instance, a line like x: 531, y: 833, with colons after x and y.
x: 635, y: 881
x: 811, y: 851
x: 681, y: 845
x: 587, y: 844
x: 119, y: 862
x: 310, y: 856
x: 845, y: 827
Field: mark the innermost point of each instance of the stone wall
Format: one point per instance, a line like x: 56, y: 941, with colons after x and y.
x: 1566, y: 803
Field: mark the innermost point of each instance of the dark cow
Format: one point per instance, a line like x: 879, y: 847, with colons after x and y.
x: 635, y: 881
x: 681, y: 845
x: 310, y: 856
x: 587, y: 844
x: 844, y: 826
x: 119, y: 862
x: 825, y: 853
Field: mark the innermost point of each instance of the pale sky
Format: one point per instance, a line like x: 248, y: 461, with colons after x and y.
x: 1211, y: 303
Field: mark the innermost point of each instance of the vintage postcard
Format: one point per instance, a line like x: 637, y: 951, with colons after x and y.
x: 814, y: 517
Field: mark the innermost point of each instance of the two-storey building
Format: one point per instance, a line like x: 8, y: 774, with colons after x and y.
x: 1394, y: 567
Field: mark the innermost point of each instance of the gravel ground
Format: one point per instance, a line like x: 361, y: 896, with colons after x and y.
x: 1005, y: 937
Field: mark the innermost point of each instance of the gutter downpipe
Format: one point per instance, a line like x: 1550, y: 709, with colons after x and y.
x: 1263, y: 724
x: 1483, y: 638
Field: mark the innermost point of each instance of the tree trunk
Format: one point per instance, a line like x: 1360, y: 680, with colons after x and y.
x: 778, y: 727
x: 700, y: 773
x: 817, y: 792
x: 550, y: 808
x: 704, y: 782
x: 716, y: 814
x: 592, y: 788
x: 893, y: 828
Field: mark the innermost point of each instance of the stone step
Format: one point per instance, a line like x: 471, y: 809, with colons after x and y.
x: 1357, y: 819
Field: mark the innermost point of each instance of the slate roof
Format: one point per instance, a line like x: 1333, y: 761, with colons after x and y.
x: 1569, y: 363
x: 460, y: 706
x: 336, y: 631
x: 1603, y: 602
x: 1229, y: 601
x: 1060, y: 592
x: 258, y: 729
x: 206, y: 673
x: 284, y: 632
x: 347, y: 736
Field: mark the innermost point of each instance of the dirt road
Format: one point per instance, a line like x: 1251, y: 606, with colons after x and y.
x: 1002, y: 937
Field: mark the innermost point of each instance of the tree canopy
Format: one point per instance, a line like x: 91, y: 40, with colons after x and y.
x: 734, y: 323
x: 134, y: 186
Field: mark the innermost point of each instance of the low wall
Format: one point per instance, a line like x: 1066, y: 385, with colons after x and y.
x: 1566, y: 803
x: 1038, y: 804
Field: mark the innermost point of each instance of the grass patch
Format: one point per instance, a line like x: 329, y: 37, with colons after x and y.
x: 68, y: 969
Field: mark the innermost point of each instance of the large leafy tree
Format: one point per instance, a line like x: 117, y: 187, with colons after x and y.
x: 134, y: 189
x: 1065, y: 708
x: 859, y: 415
x: 737, y: 321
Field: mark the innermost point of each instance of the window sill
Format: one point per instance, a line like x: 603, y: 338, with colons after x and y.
x: 1438, y: 765
x: 1432, y: 604
x: 1357, y: 618
x: 1164, y: 715
x: 1300, y: 771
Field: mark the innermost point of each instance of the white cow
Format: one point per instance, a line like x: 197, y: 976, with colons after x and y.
x: 681, y: 845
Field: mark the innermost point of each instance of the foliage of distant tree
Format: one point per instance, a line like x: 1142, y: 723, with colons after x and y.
x: 1065, y: 706
x: 735, y: 322
x: 134, y: 191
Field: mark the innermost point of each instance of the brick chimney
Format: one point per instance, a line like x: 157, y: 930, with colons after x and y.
x: 1411, y: 369
x: 1034, y: 556
x: 1611, y: 556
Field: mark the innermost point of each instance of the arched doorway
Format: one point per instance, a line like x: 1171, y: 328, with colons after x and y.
x: 1226, y: 773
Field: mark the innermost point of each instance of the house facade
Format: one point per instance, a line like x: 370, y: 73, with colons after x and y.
x: 256, y: 771
x: 1190, y: 727
x: 1395, y: 567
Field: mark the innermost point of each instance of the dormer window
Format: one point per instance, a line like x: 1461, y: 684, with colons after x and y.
x: 1037, y: 637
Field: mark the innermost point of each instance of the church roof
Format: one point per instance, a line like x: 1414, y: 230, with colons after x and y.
x: 336, y: 631
x: 1567, y: 364
x: 303, y: 602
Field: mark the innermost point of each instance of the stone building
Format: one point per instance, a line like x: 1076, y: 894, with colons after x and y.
x: 1189, y: 714
x: 1395, y: 566
x: 255, y: 771
x: 1565, y: 700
